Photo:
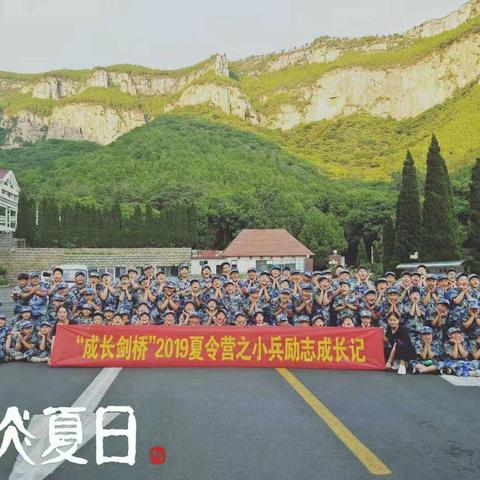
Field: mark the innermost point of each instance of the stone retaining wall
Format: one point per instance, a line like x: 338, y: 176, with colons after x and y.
x: 17, y: 260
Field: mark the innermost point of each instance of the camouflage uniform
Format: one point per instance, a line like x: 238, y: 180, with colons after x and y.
x: 342, y: 300
x: 5, y: 331
x: 359, y: 288
x: 39, y: 307
x: 232, y: 303
x: 413, y: 324
x: 436, y: 348
x: 24, y: 353
x: 459, y: 367
x: 458, y: 312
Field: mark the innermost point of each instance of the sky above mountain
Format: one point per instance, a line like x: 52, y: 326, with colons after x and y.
x: 40, y: 35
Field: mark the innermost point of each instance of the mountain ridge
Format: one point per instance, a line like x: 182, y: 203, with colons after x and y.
x: 396, y: 80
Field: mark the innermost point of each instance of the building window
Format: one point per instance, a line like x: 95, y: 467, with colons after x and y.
x: 118, y: 271
x: 170, y: 271
x: 12, y: 219
x: 3, y: 216
x: 262, y: 265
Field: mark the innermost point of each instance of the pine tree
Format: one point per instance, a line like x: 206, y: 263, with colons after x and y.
x: 66, y: 226
x: 388, y: 260
x: 472, y: 242
x: 115, y: 235
x: 48, y: 224
x: 83, y: 225
x: 149, y: 226
x: 362, y: 256
x: 74, y: 224
x: 136, y: 234
x: 192, y: 225
x: 26, y: 219
x: 172, y: 230
x: 98, y: 229
x: 162, y: 231
x: 409, y: 213
x: 439, y: 240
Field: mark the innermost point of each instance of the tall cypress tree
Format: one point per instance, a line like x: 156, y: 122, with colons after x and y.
x: 83, y: 224
x: 98, y: 230
x: 43, y: 237
x: 114, y: 233
x: 26, y: 219
x: 472, y: 242
x: 149, y: 226
x: 162, y: 230
x: 388, y: 260
x: 54, y: 222
x: 362, y: 256
x: 192, y: 226
x: 439, y: 240
x: 409, y: 213
x: 172, y: 225
x: 75, y: 217
x: 136, y: 234
x: 66, y: 226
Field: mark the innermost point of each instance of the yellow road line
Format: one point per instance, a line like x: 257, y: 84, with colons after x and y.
x: 373, y: 464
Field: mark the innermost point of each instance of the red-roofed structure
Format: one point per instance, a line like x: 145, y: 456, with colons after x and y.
x: 266, y: 243
x: 260, y: 249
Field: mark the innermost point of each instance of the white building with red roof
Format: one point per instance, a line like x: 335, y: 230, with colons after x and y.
x: 260, y: 249
x: 9, y: 192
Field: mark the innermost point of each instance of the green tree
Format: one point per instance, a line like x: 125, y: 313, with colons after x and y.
x: 133, y: 228
x: 362, y: 255
x: 26, y: 219
x: 439, y: 239
x: 472, y: 243
x: 48, y: 223
x: 322, y: 233
x: 149, y: 226
x: 114, y: 235
x: 67, y: 227
x: 98, y: 232
x: 388, y: 259
x: 409, y: 213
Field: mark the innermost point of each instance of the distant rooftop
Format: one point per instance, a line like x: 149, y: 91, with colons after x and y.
x: 3, y: 173
x: 207, y: 254
x: 449, y: 263
x: 266, y: 243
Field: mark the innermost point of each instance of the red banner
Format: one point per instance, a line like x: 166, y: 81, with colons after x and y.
x: 156, y: 346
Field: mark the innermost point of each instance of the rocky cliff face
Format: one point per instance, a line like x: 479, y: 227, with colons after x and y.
x: 94, y: 123
x: 326, y: 50
x: 433, y: 27
x: 398, y: 91
x: 27, y: 127
x: 151, y: 84
x: 229, y: 99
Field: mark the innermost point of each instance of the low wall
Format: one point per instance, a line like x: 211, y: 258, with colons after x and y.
x: 17, y: 260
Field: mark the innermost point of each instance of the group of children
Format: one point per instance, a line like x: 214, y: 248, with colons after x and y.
x: 431, y: 322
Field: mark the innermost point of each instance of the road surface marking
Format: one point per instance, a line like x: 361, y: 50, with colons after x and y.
x: 462, y: 381
x: 90, y: 398
x: 373, y: 464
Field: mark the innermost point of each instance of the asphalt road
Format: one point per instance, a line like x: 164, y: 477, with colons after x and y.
x: 251, y: 424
